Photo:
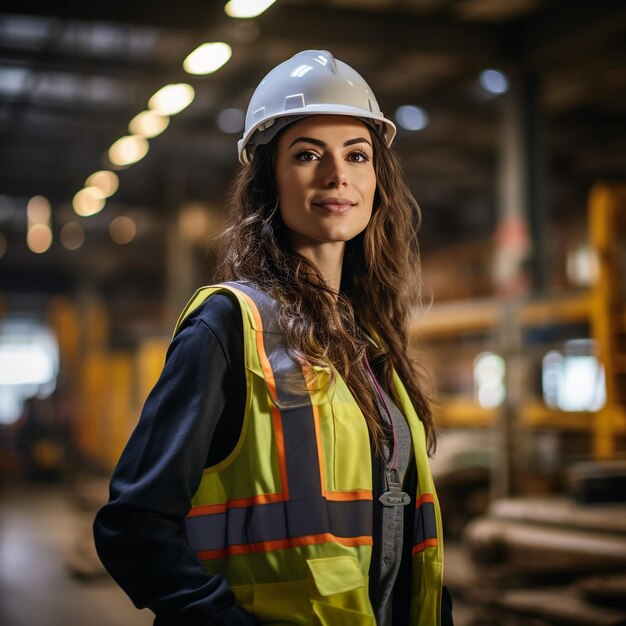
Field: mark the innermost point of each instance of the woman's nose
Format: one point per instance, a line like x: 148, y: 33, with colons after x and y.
x: 335, y: 174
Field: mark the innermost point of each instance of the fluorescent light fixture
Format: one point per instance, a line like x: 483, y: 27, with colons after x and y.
x: 72, y: 236
x: 494, y: 81
x: 148, y: 123
x: 172, y: 99
x: 39, y: 238
x: 207, y: 58
x: 122, y: 229
x: 231, y: 120
x: 247, y: 8
x: 105, y: 180
x: 411, y: 117
x: 128, y: 150
x: 38, y: 210
x: 88, y: 201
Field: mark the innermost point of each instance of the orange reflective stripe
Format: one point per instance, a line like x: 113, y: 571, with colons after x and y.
x: 359, y: 494
x: 318, y: 442
x: 210, y: 509
x: 427, y: 497
x: 268, y: 373
x: 427, y: 543
x: 425, y: 525
x: 284, y: 544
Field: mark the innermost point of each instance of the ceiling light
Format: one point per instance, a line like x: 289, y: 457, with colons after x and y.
x: 39, y: 238
x: 194, y: 222
x: 128, y: 150
x: 106, y: 181
x: 411, y: 117
x: 72, y: 236
x: 171, y: 99
x: 88, y: 201
x: 38, y: 210
x: 148, y: 123
x: 230, y: 120
x: 122, y: 229
x: 247, y: 8
x: 207, y: 58
x: 494, y: 81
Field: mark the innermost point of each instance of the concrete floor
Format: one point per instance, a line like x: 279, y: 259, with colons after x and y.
x: 40, y: 529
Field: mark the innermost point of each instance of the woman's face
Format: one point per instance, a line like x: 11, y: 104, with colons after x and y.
x: 326, y: 179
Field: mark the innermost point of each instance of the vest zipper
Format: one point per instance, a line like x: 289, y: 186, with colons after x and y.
x: 393, y: 496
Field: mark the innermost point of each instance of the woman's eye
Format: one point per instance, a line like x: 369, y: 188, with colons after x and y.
x: 359, y: 156
x: 306, y: 155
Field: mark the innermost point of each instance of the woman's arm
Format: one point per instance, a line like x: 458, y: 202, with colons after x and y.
x: 191, y: 418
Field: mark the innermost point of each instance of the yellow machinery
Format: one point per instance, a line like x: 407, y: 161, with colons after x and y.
x: 602, y: 309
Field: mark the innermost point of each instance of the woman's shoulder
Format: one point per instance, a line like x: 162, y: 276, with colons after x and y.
x: 220, y: 311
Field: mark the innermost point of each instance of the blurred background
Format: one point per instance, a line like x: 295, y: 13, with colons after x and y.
x: 117, y: 149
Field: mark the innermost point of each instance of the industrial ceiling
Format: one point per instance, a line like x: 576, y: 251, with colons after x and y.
x: 72, y: 75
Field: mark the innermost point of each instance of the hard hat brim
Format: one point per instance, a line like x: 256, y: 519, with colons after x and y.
x: 385, y: 127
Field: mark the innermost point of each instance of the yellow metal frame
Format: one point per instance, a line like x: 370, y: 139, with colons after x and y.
x: 602, y: 307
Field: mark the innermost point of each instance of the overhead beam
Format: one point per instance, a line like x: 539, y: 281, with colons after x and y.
x: 185, y: 14
x: 388, y: 32
x: 317, y: 27
x: 567, y: 30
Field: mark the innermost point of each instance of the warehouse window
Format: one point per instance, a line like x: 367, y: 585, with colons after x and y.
x: 29, y: 364
x: 573, y: 379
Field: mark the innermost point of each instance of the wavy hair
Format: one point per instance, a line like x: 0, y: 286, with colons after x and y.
x: 380, y: 284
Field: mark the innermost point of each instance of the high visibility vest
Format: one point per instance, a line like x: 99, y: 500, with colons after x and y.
x: 287, y: 517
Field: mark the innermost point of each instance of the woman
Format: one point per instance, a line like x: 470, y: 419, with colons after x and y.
x: 279, y: 470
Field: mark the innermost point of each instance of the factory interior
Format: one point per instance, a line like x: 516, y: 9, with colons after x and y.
x: 511, y: 118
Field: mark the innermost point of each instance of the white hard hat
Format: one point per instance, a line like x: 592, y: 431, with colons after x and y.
x: 312, y: 82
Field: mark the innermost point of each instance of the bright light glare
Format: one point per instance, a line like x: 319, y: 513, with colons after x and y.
x: 194, y: 222
x: 231, y: 120
x: 489, y: 371
x: 247, y: 8
x: 171, y: 99
x: 494, y: 81
x: 72, y: 236
x: 148, y: 123
x: 38, y: 210
x: 207, y: 58
x: 411, y: 117
x: 107, y: 181
x: 128, y: 150
x: 122, y: 229
x: 88, y: 201
x: 573, y: 382
x: 39, y: 238
x: 29, y: 361
x: 582, y: 266
x: 24, y: 364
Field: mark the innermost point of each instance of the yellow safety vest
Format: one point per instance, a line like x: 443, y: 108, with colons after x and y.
x: 287, y: 517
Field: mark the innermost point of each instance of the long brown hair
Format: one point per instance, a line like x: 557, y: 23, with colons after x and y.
x: 380, y: 283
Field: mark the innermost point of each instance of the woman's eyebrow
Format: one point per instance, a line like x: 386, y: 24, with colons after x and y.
x: 323, y: 144
x: 351, y: 142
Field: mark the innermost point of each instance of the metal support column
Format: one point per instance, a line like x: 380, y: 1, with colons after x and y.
x: 518, y: 257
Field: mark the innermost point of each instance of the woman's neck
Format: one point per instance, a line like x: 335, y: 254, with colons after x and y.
x: 327, y: 258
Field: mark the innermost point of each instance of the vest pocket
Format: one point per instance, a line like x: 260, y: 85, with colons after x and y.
x: 339, y: 593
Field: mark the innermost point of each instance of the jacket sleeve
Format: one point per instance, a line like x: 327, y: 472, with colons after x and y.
x: 139, y: 533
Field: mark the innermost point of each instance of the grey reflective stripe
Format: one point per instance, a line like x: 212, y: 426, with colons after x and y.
x: 294, y: 402
x: 425, y: 526
x: 278, y: 521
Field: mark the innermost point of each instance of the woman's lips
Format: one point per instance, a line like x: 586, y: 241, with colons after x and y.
x: 335, y: 205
